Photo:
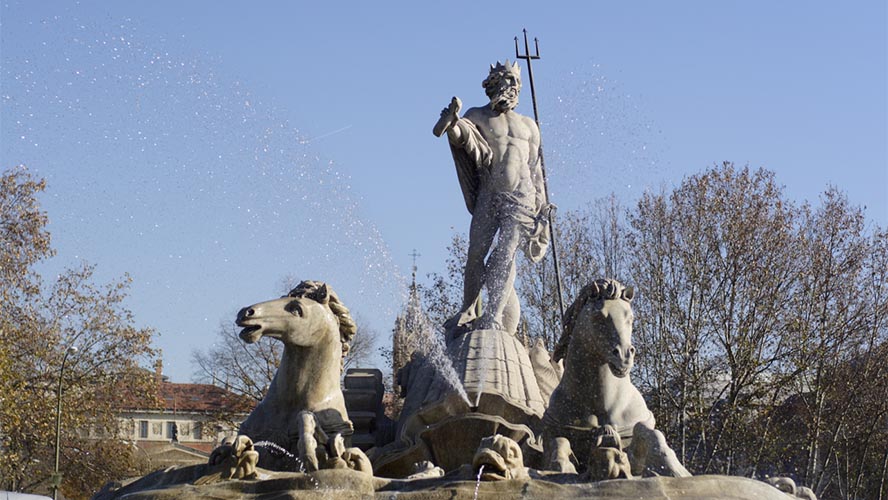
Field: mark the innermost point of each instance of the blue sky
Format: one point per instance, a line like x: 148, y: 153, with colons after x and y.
x: 210, y: 149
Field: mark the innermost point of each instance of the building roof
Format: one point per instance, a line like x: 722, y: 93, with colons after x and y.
x: 202, y: 398
x: 188, y: 398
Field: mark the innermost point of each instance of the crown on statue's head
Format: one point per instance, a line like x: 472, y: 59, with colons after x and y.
x: 509, y: 67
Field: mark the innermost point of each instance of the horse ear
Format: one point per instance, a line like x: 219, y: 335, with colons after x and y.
x: 628, y: 293
x: 594, y: 289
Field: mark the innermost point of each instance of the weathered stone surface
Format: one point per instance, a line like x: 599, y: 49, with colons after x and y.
x: 235, y: 458
x: 547, y: 372
x: 177, y: 484
x: 495, y: 362
x: 449, y: 443
x: 607, y: 460
x: 486, y: 362
x: 439, y: 425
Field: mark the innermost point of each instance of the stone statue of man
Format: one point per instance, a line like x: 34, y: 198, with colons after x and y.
x: 497, y: 157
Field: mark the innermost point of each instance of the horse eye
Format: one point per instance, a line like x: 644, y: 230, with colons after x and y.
x: 294, y: 308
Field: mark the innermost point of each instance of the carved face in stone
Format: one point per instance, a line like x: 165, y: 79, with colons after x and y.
x: 608, y: 463
x: 502, y: 87
x: 292, y: 320
x: 501, y: 458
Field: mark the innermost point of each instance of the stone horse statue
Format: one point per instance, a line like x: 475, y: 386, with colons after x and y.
x: 304, y: 405
x: 595, y: 390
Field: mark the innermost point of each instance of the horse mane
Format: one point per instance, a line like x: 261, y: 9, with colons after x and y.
x: 600, y: 289
x: 323, y: 293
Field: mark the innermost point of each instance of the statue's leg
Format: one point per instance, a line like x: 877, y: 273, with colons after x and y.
x: 649, y: 453
x: 481, y: 234
x: 500, y: 276
x: 512, y: 310
x: 308, y: 445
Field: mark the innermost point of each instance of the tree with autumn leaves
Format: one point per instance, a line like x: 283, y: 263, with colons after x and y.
x: 762, y: 326
x: 38, y: 323
x: 761, y: 323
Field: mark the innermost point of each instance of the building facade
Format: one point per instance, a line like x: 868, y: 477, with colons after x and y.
x: 191, y: 421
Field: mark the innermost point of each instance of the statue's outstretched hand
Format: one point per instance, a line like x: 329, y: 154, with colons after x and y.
x: 449, y: 117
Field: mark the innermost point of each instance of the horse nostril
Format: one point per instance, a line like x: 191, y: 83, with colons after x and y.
x: 632, y: 350
x: 616, y: 352
x: 249, y: 312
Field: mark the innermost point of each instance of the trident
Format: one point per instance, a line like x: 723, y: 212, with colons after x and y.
x: 528, y: 57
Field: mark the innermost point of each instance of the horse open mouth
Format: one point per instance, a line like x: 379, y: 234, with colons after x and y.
x: 251, y: 333
x: 620, y: 370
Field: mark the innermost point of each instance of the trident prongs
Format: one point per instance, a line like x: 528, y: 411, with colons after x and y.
x: 527, y: 56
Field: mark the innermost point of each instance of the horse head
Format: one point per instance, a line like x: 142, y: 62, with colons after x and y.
x: 603, y: 317
x: 305, y: 394
x: 301, y: 318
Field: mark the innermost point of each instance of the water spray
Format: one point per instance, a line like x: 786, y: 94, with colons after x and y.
x: 551, y: 213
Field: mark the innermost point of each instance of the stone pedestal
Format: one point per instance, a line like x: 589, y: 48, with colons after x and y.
x: 494, y: 363
x: 440, y: 422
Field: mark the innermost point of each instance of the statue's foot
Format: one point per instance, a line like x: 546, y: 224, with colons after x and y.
x: 459, y: 324
x: 451, y: 323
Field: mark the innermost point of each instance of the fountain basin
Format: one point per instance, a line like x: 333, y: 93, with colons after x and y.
x: 178, y: 483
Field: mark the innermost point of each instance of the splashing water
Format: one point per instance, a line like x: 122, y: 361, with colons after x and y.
x: 478, y: 481
x: 278, y: 452
x: 430, y: 343
x: 592, y: 126
x: 154, y: 157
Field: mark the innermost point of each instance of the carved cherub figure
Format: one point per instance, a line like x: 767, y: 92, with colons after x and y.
x: 607, y: 459
x: 236, y: 458
x: 341, y: 457
x: 560, y: 457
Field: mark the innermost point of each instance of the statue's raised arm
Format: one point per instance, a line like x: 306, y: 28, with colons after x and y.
x: 471, y: 153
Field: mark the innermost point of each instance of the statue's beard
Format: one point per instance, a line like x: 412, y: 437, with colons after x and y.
x: 504, y: 100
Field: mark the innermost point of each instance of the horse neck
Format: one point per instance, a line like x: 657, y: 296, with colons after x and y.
x: 308, y: 375
x: 587, y: 371
x: 586, y: 367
